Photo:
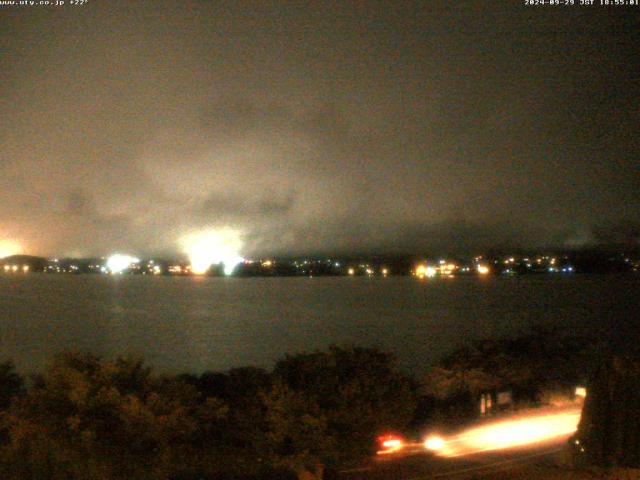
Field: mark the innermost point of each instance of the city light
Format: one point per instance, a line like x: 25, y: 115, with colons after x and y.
x: 425, y: 271
x: 17, y: 268
x: 483, y: 269
x: 212, y: 247
x: 119, y: 263
x: 448, y: 269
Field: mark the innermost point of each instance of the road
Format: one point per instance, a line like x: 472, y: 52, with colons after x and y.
x: 474, y: 466
x: 493, y: 449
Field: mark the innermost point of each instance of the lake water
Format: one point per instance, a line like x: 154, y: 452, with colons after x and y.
x: 194, y: 324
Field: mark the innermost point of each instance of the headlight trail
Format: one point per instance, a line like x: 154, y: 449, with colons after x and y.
x: 390, y: 444
x: 523, y: 431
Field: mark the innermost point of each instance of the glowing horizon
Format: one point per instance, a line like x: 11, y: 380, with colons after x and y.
x: 117, y: 262
x: 213, y: 247
x: 9, y: 247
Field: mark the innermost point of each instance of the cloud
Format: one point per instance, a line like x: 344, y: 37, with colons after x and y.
x: 246, y: 205
x: 622, y: 233
x: 314, y: 130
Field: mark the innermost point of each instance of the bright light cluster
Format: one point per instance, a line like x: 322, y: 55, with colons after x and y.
x: 221, y: 246
x: 8, y: 248
x: 119, y: 263
x: 483, y: 270
x: 16, y: 268
x: 425, y: 271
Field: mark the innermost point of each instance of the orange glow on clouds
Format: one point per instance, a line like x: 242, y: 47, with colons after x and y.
x: 213, y: 246
x: 8, y: 248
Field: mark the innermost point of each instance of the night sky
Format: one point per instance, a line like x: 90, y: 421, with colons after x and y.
x: 306, y: 127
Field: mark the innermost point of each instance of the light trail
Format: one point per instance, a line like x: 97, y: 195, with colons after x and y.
x: 390, y: 446
x: 522, y: 431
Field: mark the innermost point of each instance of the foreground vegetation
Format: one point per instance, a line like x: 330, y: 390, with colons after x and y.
x: 86, y: 417
x: 533, y: 367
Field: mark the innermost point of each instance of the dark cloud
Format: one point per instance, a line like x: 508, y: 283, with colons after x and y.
x: 79, y: 203
x: 239, y: 205
x: 622, y: 233
x: 318, y: 127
